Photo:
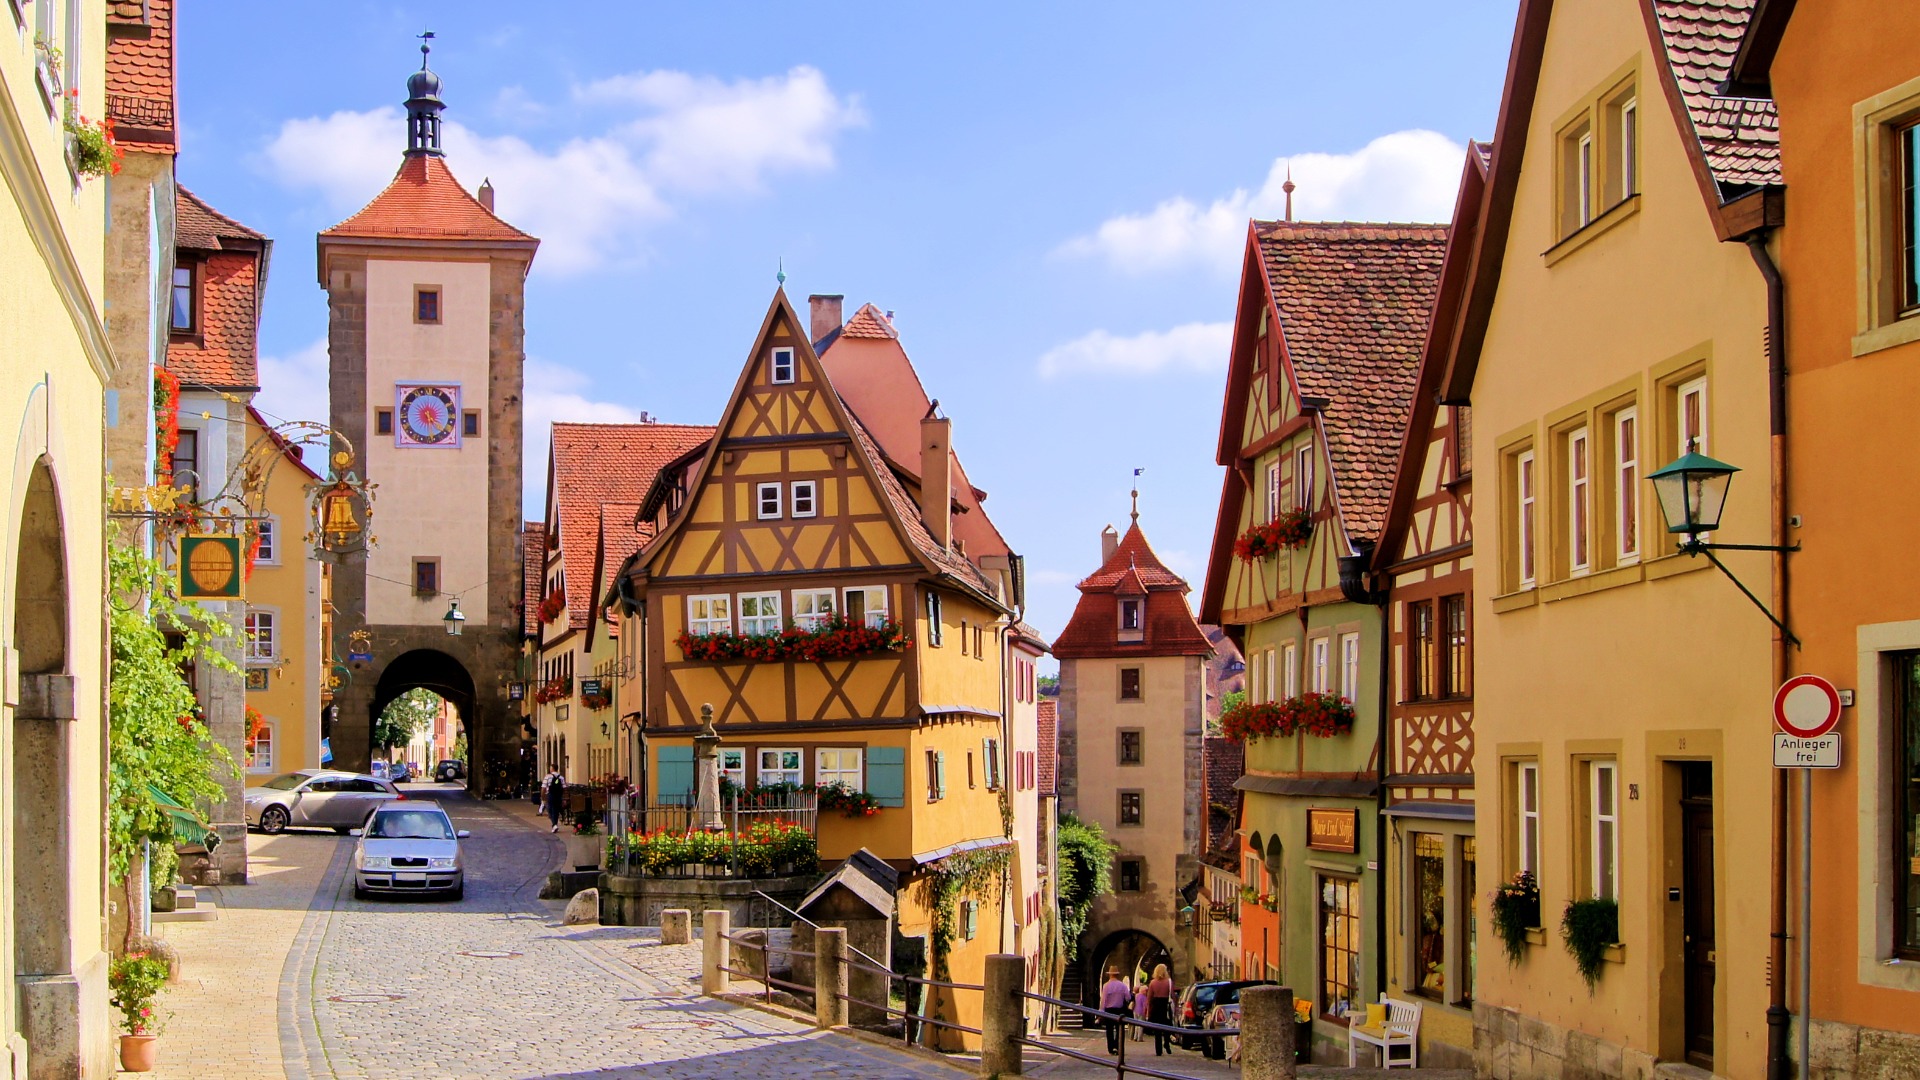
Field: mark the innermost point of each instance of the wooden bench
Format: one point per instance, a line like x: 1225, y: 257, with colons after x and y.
x: 1398, y: 1037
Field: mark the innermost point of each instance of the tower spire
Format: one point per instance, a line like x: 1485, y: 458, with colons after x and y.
x: 1136, y: 495
x: 1288, y: 188
x: 424, y: 105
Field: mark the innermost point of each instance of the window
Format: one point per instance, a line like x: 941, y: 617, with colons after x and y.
x: 963, y: 637
x: 1455, y: 670
x: 990, y: 762
x: 867, y: 605
x: 426, y: 577
x: 1526, y: 777
x: 266, y: 548
x: 709, y: 614
x: 470, y: 423
x: 803, y: 498
x: 1129, y: 684
x: 969, y: 919
x: 1132, y: 746
x: 733, y: 767
x: 1291, y: 669
x: 1626, y: 480
x: 838, y: 765
x: 1605, y: 838
x: 1339, y: 947
x: 1131, y: 875
x: 383, y: 421
x: 1523, y: 487
x: 1907, y: 187
x: 260, y: 749
x: 936, y: 632
x: 769, y: 501
x: 778, y: 765
x: 1690, y: 416
x: 812, y: 608
x: 1625, y: 115
x: 1579, y: 502
x: 970, y: 769
x: 979, y: 641
x: 1130, y: 808
x: 186, y: 459
x: 426, y: 303
x: 1905, y: 777
x: 760, y: 613
x: 1576, y: 177
x: 1303, y: 476
x: 1350, y: 666
x: 1419, y: 650
x: 1130, y: 615
x: 1318, y: 675
x: 1469, y: 952
x: 1273, y: 490
x: 261, y: 642
x: 782, y: 365
x: 1428, y: 904
x: 936, y: 775
x: 183, y: 308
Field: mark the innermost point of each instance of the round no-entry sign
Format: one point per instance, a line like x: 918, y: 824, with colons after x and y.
x: 1806, y: 706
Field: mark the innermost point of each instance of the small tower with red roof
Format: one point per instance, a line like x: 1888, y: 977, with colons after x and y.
x: 1131, y: 724
x: 426, y: 291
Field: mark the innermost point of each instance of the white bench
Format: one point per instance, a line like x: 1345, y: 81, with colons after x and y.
x: 1398, y: 1038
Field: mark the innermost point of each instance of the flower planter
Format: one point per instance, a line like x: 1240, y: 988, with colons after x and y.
x: 139, y: 1053
x: 584, y: 852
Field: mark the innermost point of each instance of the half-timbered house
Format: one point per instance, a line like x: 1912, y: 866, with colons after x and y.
x: 1326, y: 348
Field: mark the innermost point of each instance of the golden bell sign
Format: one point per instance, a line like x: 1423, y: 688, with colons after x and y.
x: 210, y: 567
x: 336, y: 514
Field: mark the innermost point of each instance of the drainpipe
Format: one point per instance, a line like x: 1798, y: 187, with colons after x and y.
x: 1779, y: 1063
x: 1358, y: 584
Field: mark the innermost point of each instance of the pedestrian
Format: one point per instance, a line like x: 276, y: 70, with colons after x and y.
x: 556, y: 797
x: 1115, y: 998
x: 1160, y: 1008
x: 1139, y: 1007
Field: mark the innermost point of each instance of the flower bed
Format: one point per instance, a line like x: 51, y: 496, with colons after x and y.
x: 1313, y: 713
x: 757, y: 851
x: 1292, y: 529
x: 837, y: 639
x: 553, y: 690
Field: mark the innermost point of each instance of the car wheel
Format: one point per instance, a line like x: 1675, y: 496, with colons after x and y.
x: 273, y: 820
x: 360, y: 893
x: 459, y: 893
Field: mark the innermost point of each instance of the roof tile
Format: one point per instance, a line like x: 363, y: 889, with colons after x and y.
x: 140, y: 70
x: 1740, y: 136
x: 225, y: 351
x: 533, y: 570
x: 425, y: 202
x: 200, y: 227
x: 1047, y: 724
x: 869, y: 322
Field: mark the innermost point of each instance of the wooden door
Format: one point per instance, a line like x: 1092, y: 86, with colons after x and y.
x: 1696, y: 815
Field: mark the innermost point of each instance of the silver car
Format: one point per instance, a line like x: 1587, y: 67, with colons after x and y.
x: 316, y: 798
x: 409, y: 847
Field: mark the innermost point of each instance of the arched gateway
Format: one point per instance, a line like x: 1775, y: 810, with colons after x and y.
x: 426, y: 295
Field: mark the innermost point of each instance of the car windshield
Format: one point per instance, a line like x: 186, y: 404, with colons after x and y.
x: 410, y: 825
x: 285, y: 783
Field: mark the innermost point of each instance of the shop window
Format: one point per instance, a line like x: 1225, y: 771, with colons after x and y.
x: 1340, y: 942
x: 1427, y: 898
x: 1468, y: 955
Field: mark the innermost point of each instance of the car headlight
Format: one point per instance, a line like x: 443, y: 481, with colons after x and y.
x: 441, y: 864
x: 376, y: 862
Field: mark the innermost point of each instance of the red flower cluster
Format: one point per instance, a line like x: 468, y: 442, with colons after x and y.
x: 553, y: 690
x: 1292, y: 529
x: 834, y: 640
x: 553, y: 605
x: 1312, y: 713
x: 597, y: 701
x: 166, y: 422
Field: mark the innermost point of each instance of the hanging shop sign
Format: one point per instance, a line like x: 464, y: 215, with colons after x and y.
x: 590, y: 688
x: 516, y: 691
x: 1333, y: 830
x: 210, y: 567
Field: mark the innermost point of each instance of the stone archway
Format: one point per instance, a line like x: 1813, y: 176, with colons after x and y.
x: 1128, y: 950
x: 428, y: 669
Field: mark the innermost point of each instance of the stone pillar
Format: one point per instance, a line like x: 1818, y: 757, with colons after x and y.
x: 714, y: 928
x: 676, y: 926
x: 1003, y: 1015
x: 706, y: 771
x: 829, y: 976
x: 1267, y: 1033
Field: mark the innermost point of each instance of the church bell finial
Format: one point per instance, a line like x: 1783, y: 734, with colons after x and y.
x: 423, y: 104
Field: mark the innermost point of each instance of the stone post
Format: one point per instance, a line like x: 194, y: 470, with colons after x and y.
x: 829, y: 976
x: 1267, y: 1033
x: 676, y: 926
x: 1003, y: 1015
x: 706, y: 771
x: 714, y: 928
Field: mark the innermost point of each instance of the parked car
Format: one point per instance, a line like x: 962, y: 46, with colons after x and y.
x: 316, y: 798
x: 399, y: 772
x: 1223, y: 1018
x: 1198, y: 1001
x: 409, y: 849
x: 449, y: 770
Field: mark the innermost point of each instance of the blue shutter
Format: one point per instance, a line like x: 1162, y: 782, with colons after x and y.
x: 673, y: 782
x: 887, y: 775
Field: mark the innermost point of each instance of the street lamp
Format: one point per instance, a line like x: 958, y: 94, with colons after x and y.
x: 453, y: 620
x: 1692, y: 491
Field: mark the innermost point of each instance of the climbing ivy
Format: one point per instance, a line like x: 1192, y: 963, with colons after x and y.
x: 156, y: 736
x: 967, y: 873
x: 1082, y: 876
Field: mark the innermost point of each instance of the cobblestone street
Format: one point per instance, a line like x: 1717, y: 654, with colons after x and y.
x: 297, y: 979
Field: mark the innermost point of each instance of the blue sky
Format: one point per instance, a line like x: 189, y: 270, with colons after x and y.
x: 1051, y: 197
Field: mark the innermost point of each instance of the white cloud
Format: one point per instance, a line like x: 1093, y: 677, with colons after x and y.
x: 1192, y: 347
x: 591, y: 198
x: 1404, y: 176
x: 294, y: 387
x: 553, y: 392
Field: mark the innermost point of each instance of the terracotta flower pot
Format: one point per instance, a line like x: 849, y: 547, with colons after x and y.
x: 139, y: 1052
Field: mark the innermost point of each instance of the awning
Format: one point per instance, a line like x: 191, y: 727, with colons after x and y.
x: 985, y: 842
x: 1309, y: 786
x: 188, y: 826
x: 1450, y: 810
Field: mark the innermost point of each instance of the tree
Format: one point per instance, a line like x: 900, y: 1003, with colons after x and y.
x: 1086, y: 859
x: 406, y: 716
x: 1049, y: 685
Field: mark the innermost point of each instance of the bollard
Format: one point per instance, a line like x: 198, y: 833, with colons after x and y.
x: 1266, y: 1033
x: 714, y: 928
x: 829, y: 976
x: 1003, y: 1015
x: 676, y: 926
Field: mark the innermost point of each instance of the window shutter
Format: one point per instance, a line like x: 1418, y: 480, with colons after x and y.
x: 939, y: 774
x: 674, y: 779
x: 973, y: 919
x: 887, y: 775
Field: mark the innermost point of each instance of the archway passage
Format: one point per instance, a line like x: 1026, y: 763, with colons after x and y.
x: 1132, y: 952
x: 421, y: 669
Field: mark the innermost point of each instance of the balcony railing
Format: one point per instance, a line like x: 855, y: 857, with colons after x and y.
x: 136, y: 111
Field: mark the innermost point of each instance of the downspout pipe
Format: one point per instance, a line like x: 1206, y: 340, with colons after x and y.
x: 1357, y: 584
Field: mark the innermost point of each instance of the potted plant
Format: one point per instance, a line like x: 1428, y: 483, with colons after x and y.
x: 1516, y: 910
x: 584, y: 847
x: 1590, y: 927
x: 1292, y: 529
x: 134, y: 980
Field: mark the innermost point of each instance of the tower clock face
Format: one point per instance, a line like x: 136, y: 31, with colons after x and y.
x: 427, y: 415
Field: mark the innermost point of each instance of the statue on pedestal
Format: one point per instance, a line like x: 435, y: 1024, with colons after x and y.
x: 706, y: 771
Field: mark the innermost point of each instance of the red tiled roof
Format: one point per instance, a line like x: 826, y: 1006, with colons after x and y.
x: 594, y: 465
x: 140, y: 67
x: 869, y: 322
x: 425, y: 202
x: 533, y: 574
x: 1740, y: 136
x: 199, y: 227
x: 293, y: 453
x: 1353, y: 300
x: 225, y: 351
x: 1223, y: 761
x: 620, y: 537
x: 1132, y: 570
x: 1048, y: 725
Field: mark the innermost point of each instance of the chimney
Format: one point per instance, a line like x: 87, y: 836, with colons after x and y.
x: 1109, y: 543
x: 936, y: 478
x: 826, y: 308
x: 486, y: 194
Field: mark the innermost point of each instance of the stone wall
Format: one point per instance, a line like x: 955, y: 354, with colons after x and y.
x: 1509, y: 1045
x: 1842, y: 1051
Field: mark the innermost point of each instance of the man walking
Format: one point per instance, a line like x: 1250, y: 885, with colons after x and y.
x: 1116, y: 997
x: 554, y: 793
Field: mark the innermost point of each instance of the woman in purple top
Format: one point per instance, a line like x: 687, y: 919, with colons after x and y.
x: 1115, y: 999
x: 1160, y: 1008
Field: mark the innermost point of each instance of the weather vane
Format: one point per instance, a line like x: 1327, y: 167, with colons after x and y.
x: 425, y: 36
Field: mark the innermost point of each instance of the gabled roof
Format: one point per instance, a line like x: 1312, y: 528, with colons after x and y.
x: 140, y: 73
x: 1047, y: 724
x: 199, y: 227
x: 869, y: 322
x: 1132, y: 556
x: 293, y: 454
x: 223, y: 353
x: 619, y: 536
x: 592, y: 466
x: 425, y: 202
x: 533, y: 575
x: 1132, y: 570
x: 1223, y: 763
x: 1738, y: 137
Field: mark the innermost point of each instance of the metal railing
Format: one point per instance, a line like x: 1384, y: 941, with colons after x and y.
x: 737, y: 815
x: 1124, y: 1022
x: 134, y: 110
x: 909, y: 1017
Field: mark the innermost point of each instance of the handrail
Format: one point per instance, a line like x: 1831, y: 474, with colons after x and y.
x: 850, y: 946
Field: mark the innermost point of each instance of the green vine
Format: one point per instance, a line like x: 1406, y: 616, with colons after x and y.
x: 1082, y: 876
x: 966, y: 873
x: 156, y: 735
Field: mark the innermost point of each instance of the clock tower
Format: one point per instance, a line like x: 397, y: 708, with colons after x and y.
x: 426, y: 292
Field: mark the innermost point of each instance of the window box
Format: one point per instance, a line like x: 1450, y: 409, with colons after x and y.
x: 553, y: 605
x: 553, y: 690
x: 836, y: 639
x: 1322, y: 714
x: 1291, y: 529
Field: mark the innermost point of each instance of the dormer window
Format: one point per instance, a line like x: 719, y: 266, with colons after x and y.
x: 1132, y: 618
x: 782, y: 366
x: 185, y: 309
